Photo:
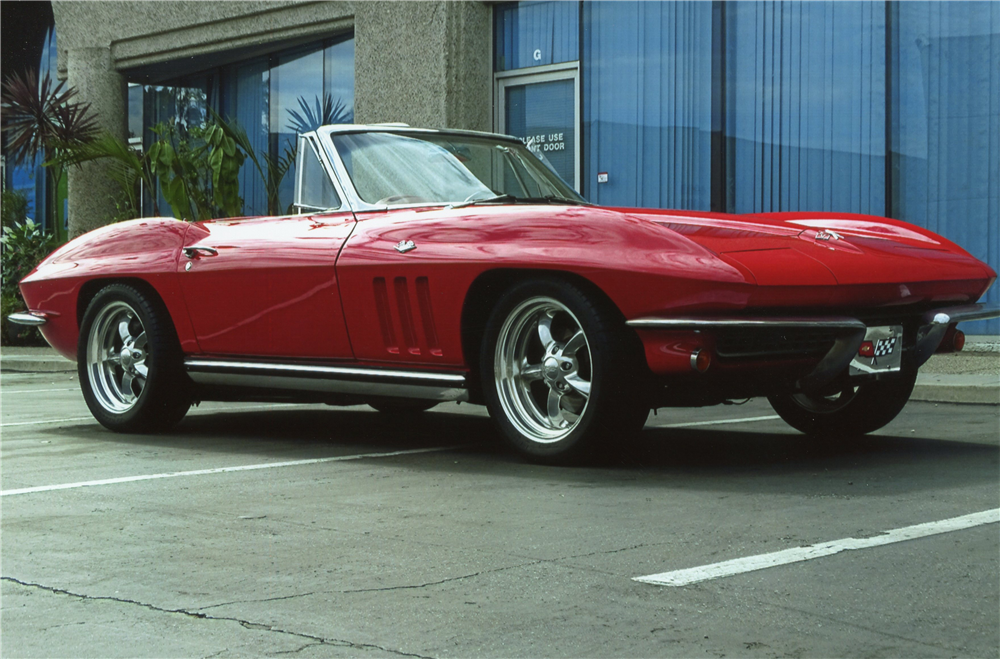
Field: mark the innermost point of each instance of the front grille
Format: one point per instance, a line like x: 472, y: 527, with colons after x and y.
x: 754, y: 343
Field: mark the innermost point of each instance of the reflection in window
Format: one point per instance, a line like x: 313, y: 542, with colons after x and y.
x: 272, y: 97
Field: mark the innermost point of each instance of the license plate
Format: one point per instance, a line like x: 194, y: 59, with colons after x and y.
x: 881, y: 351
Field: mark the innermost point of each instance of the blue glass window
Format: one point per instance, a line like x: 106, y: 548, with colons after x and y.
x: 272, y: 97
x: 805, y: 106
x: 945, y: 118
x: 536, y: 34
x: 888, y: 108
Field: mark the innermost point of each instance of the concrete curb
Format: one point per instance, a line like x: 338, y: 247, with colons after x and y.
x: 943, y: 388
x: 34, y: 364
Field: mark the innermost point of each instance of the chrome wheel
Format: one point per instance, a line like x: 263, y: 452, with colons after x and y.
x: 116, y: 357
x: 543, y: 369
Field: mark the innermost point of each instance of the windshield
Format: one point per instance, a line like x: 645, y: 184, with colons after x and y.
x: 418, y: 168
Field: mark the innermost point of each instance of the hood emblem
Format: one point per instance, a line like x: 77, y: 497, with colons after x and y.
x: 826, y: 234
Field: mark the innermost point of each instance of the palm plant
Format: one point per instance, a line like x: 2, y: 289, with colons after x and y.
x: 325, y: 112
x: 43, y: 119
x: 130, y: 169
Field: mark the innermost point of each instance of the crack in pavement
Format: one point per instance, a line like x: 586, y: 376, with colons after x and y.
x: 298, y: 649
x: 247, y: 624
x: 267, y: 599
x: 437, y: 583
x: 539, y: 561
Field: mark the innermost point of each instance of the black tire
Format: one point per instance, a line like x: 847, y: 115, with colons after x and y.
x: 595, y: 382
x: 854, y: 411
x: 402, y: 406
x: 118, y: 395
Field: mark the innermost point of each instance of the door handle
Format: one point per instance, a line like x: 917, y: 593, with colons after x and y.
x: 193, y: 252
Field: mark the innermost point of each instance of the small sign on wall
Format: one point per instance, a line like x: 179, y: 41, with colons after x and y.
x: 602, y: 177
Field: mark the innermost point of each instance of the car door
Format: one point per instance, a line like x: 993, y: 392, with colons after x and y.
x: 268, y: 286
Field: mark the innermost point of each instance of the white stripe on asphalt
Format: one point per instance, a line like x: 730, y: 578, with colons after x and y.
x: 692, y: 424
x: 5, y: 392
x: 798, y: 554
x: 210, y: 410
x: 39, y: 423
x: 221, y: 470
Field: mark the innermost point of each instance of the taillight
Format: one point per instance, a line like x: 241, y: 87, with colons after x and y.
x: 701, y: 360
x: 958, y: 341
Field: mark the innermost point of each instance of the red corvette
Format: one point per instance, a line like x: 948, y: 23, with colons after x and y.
x: 427, y: 266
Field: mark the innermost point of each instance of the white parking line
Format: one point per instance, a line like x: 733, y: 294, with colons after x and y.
x: 203, y: 412
x: 748, y: 419
x: 221, y: 470
x: 5, y: 392
x: 39, y: 423
x: 799, y: 554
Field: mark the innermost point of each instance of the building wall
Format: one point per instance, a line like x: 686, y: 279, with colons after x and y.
x: 424, y: 63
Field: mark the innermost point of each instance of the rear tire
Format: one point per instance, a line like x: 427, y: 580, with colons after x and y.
x: 561, y: 373
x: 130, y: 362
x: 855, y: 410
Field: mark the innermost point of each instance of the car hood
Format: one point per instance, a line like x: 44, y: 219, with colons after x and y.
x: 805, y: 249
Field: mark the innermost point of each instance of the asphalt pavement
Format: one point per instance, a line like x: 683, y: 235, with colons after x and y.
x: 266, y: 530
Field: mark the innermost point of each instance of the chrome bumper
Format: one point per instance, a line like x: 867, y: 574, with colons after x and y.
x: 849, y: 332
x: 27, y: 318
x: 935, y: 324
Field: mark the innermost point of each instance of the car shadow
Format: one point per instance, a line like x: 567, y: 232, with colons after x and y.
x: 713, y: 459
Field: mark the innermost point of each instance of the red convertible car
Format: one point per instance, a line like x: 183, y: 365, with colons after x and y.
x: 426, y: 266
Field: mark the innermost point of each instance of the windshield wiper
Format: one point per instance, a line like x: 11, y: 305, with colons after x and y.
x: 484, y: 200
x: 547, y: 199
x: 551, y: 199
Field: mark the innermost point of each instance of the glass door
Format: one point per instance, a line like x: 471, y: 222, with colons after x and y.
x: 542, y: 108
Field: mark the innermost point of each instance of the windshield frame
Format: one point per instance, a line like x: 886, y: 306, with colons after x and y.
x: 343, y: 180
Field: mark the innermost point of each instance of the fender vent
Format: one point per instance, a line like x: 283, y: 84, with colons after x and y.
x: 397, y: 318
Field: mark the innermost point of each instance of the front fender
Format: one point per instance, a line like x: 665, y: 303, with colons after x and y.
x: 143, y: 250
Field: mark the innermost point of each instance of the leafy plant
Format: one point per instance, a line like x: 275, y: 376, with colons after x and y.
x: 325, y: 112
x: 43, y: 119
x: 271, y: 170
x: 23, y: 245
x: 13, y: 207
x: 198, y: 169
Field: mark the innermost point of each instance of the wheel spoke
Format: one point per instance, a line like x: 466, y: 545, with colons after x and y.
x: 142, y: 370
x: 140, y: 341
x: 577, y: 341
x: 127, y: 393
x: 545, y: 331
x: 554, y: 409
x: 123, y: 330
x: 579, y: 385
x: 112, y: 358
x: 530, y: 373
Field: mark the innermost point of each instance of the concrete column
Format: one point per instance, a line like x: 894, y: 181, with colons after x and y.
x: 423, y: 63
x: 92, y: 193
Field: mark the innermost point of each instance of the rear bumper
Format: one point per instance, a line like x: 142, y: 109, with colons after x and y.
x: 830, y: 342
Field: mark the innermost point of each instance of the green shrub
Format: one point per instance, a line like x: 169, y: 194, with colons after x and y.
x: 13, y: 207
x: 22, y: 247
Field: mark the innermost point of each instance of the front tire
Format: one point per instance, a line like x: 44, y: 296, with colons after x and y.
x: 852, y: 411
x: 561, y: 374
x: 129, y: 362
